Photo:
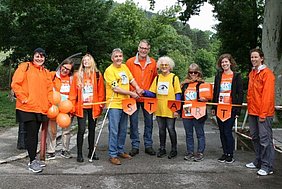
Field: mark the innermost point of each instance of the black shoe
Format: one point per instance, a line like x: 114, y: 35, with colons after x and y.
x: 161, y: 153
x: 79, y: 158
x: 229, y: 158
x: 222, y: 158
x: 172, y: 154
x: 95, y: 157
x: 150, y: 151
x: 133, y: 152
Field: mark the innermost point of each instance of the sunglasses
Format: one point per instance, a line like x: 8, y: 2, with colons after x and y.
x: 144, y: 48
x: 193, y: 72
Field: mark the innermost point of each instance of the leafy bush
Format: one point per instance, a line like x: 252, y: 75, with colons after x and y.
x: 4, y: 77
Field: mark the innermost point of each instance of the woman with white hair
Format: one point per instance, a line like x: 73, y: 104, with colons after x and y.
x: 166, y: 86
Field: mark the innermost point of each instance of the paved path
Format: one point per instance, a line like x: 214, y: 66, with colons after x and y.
x: 143, y: 171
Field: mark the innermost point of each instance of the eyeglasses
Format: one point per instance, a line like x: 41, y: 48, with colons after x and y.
x: 66, y: 68
x: 193, y: 72
x: 164, y: 65
x: 144, y: 48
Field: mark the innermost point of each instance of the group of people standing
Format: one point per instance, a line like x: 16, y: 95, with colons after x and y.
x: 138, y: 78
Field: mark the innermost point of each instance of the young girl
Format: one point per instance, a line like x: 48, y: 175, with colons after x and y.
x: 166, y: 86
x: 87, y: 87
x: 228, y: 89
x: 190, y: 92
x: 62, y: 79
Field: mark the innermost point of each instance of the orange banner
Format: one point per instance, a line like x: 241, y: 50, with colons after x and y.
x: 151, y: 105
x: 174, y: 105
x: 198, y: 109
x: 224, y: 111
x: 129, y: 106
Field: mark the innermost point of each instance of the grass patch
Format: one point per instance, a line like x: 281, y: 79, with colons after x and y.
x: 7, y: 110
x: 209, y: 80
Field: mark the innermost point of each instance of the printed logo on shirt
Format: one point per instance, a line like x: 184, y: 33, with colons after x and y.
x: 163, y: 88
x: 87, y: 92
x: 124, y: 78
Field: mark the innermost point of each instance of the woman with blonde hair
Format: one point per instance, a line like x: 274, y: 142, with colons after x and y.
x: 191, y: 93
x: 87, y: 88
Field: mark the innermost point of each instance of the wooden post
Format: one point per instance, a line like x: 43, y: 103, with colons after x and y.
x: 44, y: 130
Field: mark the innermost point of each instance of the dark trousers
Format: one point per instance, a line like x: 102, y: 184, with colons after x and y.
x: 21, y: 144
x: 169, y: 124
x: 226, y: 136
x: 32, y: 129
x: 87, y: 115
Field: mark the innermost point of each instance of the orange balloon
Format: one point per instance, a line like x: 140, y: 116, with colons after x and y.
x: 53, y: 112
x: 63, y: 120
x: 56, y: 97
x: 65, y: 106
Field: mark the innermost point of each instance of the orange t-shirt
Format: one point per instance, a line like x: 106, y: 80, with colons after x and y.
x: 190, y: 95
x: 225, y: 89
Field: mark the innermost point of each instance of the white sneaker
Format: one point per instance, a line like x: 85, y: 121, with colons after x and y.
x: 262, y: 172
x: 251, y: 165
x: 40, y: 163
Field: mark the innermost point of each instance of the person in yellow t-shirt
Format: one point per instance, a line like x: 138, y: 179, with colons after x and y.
x: 118, y: 80
x: 166, y: 86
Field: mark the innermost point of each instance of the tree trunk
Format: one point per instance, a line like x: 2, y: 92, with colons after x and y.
x: 272, y: 42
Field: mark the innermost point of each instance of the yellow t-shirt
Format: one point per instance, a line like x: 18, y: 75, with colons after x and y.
x: 165, y: 90
x: 120, y: 77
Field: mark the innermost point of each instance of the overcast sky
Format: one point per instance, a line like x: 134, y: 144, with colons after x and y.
x: 204, y: 21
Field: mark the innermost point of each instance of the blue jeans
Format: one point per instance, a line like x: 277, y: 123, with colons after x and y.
x: 148, y: 127
x: 169, y: 124
x: 117, y: 131
x: 262, y: 138
x: 226, y: 136
x: 189, y: 124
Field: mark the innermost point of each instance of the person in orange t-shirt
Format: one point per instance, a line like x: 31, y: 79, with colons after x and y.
x: 87, y: 88
x: 228, y: 89
x: 62, y: 79
x: 191, y: 93
x: 144, y: 70
x: 32, y: 86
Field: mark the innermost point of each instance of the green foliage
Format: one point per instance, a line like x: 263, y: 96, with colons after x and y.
x: 95, y: 26
x: 61, y: 27
x: 7, y: 110
x: 181, y: 64
x: 4, y: 77
x: 128, y: 24
x: 239, y: 28
x: 206, y: 61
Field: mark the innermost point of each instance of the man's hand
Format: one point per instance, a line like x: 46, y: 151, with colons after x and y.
x: 139, y: 91
x: 134, y: 95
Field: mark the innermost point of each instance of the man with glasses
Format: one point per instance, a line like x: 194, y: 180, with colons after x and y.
x: 144, y: 70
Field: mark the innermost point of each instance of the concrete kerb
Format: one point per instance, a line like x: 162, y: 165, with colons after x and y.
x: 23, y: 155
